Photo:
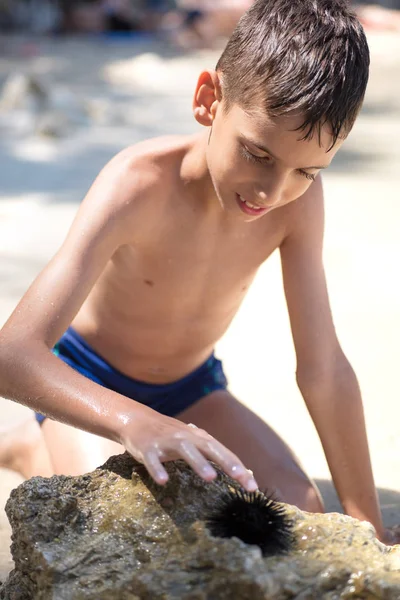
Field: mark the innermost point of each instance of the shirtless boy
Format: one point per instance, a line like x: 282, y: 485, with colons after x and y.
x: 157, y: 261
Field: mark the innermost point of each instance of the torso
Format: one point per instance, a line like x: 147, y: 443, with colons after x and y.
x: 164, y: 300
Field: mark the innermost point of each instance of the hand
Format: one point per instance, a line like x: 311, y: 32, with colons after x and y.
x: 152, y: 439
x: 391, y: 535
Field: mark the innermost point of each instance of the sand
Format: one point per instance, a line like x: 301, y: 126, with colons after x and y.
x: 135, y: 91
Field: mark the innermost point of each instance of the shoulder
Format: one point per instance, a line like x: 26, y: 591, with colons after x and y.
x: 123, y: 196
x: 136, y: 177
x: 147, y: 164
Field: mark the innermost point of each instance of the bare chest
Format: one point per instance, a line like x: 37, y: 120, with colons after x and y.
x: 191, y: 268
x: 169, y: 296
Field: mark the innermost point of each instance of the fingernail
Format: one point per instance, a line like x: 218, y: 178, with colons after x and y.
x: 208, y: 471
x: 162, y: 478
x: 252, y: 485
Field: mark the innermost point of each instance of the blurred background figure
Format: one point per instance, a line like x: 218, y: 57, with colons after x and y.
x: 384, y: 15
x: 189, y: 22
x: 207, y: 21
x: 38, y: 16
x: 186, y: 23
x: 96, y: 16
x: 83, y: 16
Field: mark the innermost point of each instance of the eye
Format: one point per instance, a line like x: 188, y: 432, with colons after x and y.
x: 308, y: 176
x: 252, y: 157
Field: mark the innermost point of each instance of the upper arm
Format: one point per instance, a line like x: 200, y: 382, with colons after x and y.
x: 101, y: 225
x: 316, y: 344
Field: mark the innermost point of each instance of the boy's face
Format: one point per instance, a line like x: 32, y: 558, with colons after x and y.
x: 259, y: 164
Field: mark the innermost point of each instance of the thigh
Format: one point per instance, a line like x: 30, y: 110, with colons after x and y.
x: 75, y: 452
x: 273, y: 463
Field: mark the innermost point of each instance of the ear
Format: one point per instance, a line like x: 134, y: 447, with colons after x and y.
x: 207, y: 97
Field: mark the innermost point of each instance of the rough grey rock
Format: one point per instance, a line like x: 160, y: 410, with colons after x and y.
x: 23, y: 92
x: 8, y: 481
x: 114, y: 534
x: 29, y: 106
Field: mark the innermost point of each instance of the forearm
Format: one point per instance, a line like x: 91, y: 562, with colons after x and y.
x: 36, y: 378
x: 33, y: 376
x: 337, y: 411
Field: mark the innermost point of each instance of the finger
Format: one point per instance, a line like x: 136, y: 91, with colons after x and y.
x: 200, y: 432
x: 196, y: 460
x: 153, y: 464
x: 230, y: 463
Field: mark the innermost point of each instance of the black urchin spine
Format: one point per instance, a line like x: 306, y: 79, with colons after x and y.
x: 253, y: 517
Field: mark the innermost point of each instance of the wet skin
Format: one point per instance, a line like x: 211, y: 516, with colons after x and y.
x: 155, y: 267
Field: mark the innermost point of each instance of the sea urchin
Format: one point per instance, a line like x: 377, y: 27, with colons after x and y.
x: 253, y: 517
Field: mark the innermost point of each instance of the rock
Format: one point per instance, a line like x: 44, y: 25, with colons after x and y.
x: 104, y: 112
x: 9, y: 480
x: 29, y: 106
x: 114, y: 534
x: 23, y: 92
x: 53, y: 124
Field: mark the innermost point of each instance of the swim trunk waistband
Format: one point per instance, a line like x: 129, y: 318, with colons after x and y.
x: 169, y: 399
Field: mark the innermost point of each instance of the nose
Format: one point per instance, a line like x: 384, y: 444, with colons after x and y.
x: 270, y: 193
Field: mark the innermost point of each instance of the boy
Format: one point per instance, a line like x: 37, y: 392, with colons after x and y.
x: 159, y: 257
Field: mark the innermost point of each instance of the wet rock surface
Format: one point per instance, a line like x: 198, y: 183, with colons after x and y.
x: 114, y: 534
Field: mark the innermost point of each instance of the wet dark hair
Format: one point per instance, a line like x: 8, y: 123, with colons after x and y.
x: 307, y: 57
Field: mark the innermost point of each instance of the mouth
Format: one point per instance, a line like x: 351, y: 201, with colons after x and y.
x: 251, y: 209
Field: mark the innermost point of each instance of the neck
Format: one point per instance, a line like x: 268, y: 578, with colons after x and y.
x: 195, y: 174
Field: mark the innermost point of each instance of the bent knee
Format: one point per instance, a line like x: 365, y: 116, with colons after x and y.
x: 303, y: 493
x: 75, y: 452
x: 313, y: 500
x: 308, y: 498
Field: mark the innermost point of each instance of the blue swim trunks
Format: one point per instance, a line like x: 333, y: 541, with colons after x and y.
x: 168, y: 399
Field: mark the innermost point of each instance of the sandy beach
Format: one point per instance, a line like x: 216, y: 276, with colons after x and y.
x: 119, y: 93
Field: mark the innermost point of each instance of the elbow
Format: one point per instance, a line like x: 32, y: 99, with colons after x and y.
x: 10, y: 357
x: 15, y: 359
x: 324, y: 379
x: 313, y: 383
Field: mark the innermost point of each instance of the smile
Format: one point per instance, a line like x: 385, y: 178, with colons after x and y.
x: 250, y: 205
x: 251, y: 209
